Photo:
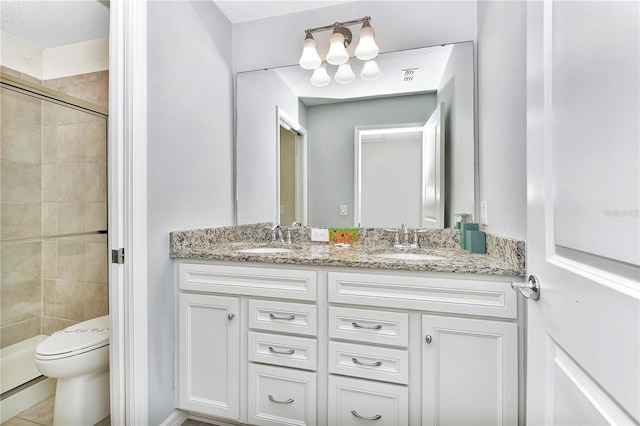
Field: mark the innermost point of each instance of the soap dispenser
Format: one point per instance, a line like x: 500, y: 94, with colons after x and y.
x: 464, y: 218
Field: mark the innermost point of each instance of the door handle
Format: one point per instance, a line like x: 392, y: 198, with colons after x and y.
x: 529, y: 289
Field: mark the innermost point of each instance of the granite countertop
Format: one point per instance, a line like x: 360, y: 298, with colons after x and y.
x: 224, y: 244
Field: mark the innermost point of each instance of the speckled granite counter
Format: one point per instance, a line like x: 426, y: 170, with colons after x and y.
x: 504, y: 256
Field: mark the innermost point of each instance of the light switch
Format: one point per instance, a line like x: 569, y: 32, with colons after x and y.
x: 343, y: 209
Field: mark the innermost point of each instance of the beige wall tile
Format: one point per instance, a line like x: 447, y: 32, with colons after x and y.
x: 21, y: 142
x: 70, y: 218
x: 51, y: 325
x: 20, y: 262
x: 49, y: 145
x: 50, y: 259
x: 49, y: 218
x: 70, y: 260
x: 10, y: 71
x: 69, y: 300
x: 18, y: 107
x: 21, y: 182
x: 96, y: 301
x: 71, y: 183
x: 20, y: 220
x: 49, y: 297
x: 96, y: 183
x: 72, y: 143
x: 50, y: 183
x: 20, y: 331
x: 95, y: 266
x: 95, y: 216
x: 96, y: 141
x: 20, y: 302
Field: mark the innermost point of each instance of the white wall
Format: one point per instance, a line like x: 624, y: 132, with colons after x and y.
x: 189, y: 158
x: 502, y: 115
x: 54, y: 62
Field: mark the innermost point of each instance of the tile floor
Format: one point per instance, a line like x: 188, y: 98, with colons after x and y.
x: 41, y: 415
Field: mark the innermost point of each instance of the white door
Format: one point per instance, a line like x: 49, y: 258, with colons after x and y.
x: 433, y: 169
x: 583, y: 347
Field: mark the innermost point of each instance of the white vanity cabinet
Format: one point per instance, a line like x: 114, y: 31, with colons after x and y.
x: 314, y: 345
x: 461, y: 332
x: 246, y: 343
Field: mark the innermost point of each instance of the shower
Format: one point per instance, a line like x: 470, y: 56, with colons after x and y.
x: 53, y: 217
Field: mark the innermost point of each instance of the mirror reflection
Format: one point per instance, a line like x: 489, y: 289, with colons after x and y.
x: 299, y: 147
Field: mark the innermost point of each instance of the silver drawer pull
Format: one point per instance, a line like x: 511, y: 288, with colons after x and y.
x: 367, y: 327
x: 289, y: 318
x: 272, y: 399
x: 275, y: 351
x: 376, y: 417
x: 366, y: 364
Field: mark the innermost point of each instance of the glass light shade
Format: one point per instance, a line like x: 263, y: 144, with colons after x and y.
x: 337, y: 54
x: 345, y: 74
x: 320, y: 77
x: 370, y: 70
x: 309, y: 59
x: 367, y: 47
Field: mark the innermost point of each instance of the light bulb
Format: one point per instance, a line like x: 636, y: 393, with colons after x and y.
x: 370, y: 70
x: 367, y: 47
x: 337, y: 54
x: 345, y: 74
x: 320, y: 76
x: 309, y: 59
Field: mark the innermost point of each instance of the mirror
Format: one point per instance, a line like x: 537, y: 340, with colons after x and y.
x: 325, y: 120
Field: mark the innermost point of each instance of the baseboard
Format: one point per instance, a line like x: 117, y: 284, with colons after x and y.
x: 175, y: 419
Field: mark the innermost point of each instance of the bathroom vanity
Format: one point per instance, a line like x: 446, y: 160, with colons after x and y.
x: 332, y: 335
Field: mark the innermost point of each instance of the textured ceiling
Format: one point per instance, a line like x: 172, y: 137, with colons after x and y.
x: 249, y: 10
x: 49, y: 23
x: 55, y: 23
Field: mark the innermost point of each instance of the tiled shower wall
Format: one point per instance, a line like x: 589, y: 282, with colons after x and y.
x: 52, y: 183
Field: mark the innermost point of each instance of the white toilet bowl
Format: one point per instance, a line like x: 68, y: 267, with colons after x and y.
x: 78, y: 357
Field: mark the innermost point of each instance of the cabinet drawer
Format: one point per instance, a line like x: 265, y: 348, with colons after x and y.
x: 250, y: 280
x: 382, y: 327
x: 369, y: 362
x: 356, y: 401
x: 297, y: 318
x: 287, y: 351
x: 478, y: 296
x: 281, y: 396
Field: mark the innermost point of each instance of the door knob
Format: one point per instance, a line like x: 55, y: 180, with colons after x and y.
x: 231, y: 316
x: 529, y: 289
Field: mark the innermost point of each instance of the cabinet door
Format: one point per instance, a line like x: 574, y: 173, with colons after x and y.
x: 362, y: 402
x: 470, y: 372
x: 209, y: 354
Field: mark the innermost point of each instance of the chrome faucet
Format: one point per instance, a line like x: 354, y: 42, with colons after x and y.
x: 405, y: 232
x: 293, y: 225
x: 276, y: 234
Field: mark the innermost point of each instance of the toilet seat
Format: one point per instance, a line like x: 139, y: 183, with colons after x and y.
x: 75, y: 340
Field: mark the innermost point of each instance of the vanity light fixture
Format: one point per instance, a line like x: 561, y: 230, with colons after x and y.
x: 339, y: 40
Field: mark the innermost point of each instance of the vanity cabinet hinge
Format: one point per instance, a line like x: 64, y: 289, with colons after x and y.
x: 117, y: 256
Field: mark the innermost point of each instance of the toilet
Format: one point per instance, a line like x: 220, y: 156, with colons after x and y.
x: 78, y: 357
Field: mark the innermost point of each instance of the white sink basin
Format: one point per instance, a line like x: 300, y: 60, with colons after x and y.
x: 408, y: 256
x: 265, y: 250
